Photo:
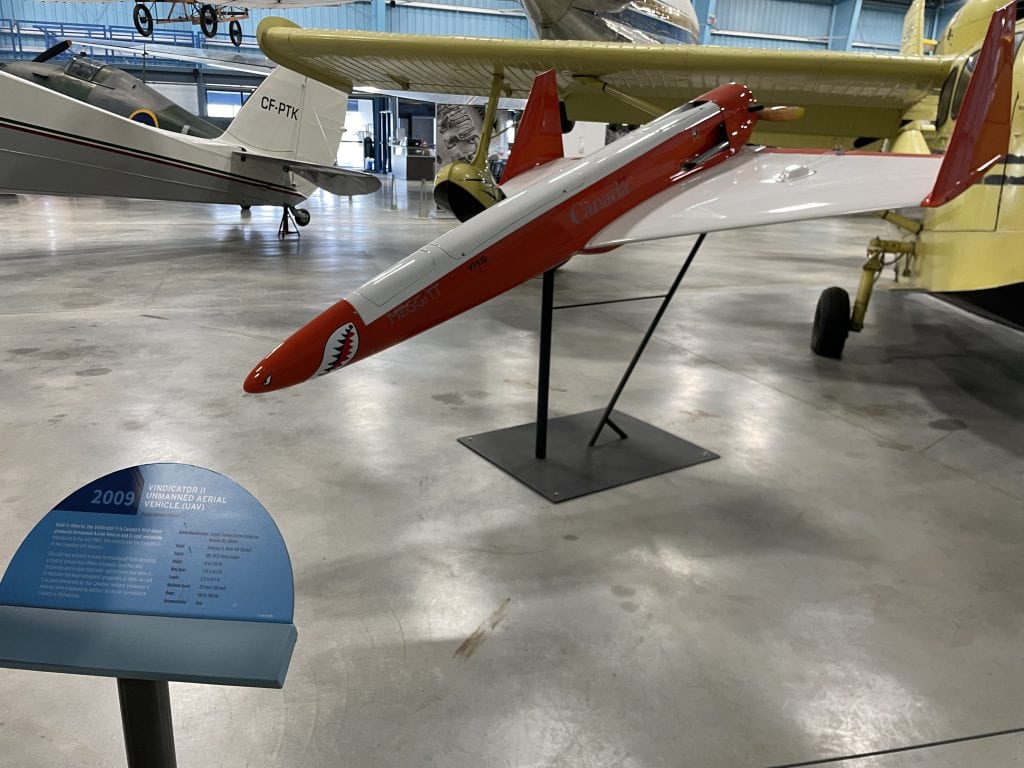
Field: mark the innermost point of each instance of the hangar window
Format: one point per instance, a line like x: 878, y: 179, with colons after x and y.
x: 224, y: 103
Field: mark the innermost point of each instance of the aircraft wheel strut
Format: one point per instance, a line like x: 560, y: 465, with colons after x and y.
x: 831, y: 323
x: 143, y: 20
x: 208, y: 20
x: 235, y: 32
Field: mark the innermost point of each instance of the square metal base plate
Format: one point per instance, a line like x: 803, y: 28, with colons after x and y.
x: 572, y: 469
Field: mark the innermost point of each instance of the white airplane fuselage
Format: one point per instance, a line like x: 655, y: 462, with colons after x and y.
x: 53, y: 144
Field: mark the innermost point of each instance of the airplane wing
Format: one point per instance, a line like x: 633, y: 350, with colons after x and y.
x: 338, y: 181
x: 763, y: 186
x: 847, y: 95
x: 219, y: 59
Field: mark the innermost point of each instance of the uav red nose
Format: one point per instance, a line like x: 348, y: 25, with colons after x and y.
x: 328, y: 342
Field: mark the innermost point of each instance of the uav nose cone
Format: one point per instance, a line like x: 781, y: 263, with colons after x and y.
x: 328, y: 342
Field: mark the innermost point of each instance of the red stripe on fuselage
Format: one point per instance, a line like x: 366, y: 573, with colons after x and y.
x: 83, y: 141
x: 545, y: 241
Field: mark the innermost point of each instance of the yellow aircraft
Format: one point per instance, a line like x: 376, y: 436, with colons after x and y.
x: 906, y: 103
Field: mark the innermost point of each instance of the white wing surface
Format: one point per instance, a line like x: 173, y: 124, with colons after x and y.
x: 763, y: 186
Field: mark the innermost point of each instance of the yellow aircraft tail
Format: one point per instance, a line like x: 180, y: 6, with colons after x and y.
x: 912, y: 42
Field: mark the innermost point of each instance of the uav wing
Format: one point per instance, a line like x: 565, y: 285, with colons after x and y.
x: 339, y: 181
x: 759, y: 186
x: 847, y: 95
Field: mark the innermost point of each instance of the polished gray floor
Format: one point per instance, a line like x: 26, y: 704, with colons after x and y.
x: 848, y: 577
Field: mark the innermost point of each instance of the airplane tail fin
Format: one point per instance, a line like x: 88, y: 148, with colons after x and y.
x: 539, y: 137
x: 912, y: 42
x: 982, y: 133
x: 291, y: 116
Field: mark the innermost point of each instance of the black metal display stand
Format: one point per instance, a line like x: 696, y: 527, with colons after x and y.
x: 569, y: 459
x: 146, y: 720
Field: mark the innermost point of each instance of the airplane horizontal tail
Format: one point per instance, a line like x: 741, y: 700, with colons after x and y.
x: 539, y: 136
x: 982, y: 134
x: 338, y: 181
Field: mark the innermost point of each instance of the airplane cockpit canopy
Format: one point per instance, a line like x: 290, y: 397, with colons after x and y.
x: 83, y: 68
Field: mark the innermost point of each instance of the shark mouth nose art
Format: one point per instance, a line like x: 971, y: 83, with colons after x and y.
x: 341, y: 347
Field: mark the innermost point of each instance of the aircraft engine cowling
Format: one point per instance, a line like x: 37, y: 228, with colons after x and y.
x: 465, y: 190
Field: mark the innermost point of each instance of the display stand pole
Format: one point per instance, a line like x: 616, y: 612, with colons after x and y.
x: 605, y: 417
x: 564, y: 466
x: 146, y: 719
x: 544, y: 363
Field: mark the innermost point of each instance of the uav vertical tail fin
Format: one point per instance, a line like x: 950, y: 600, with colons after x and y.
x: 291, y: 116
x: 982, y: 134
x: 539, y: 137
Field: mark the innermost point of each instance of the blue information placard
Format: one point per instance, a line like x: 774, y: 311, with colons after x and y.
x: 157, y: 539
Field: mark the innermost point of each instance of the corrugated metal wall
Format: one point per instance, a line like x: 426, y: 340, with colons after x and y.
x: 772, y: 23
x: 879, y: 26
x: 793, y: 24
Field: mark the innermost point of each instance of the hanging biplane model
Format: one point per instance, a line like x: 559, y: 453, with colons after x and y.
x: 688, y: 171
x: 851, y: 100
x: 279, y: 148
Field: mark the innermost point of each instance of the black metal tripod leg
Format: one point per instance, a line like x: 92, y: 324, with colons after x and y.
x: 643, y: 343
x: 544, y: 363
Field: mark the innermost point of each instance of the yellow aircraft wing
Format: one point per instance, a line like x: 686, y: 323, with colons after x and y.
x: 847, y: 95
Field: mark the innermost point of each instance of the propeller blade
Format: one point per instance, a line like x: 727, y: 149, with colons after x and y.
x: 54, y: 50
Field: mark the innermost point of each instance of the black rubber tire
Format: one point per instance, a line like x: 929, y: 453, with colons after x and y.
x: 235, y: 32
x: 143, y: 20
x: 302, y: 216
x: 831, y: 323
x: 208, y: 20
x: 246, y: 206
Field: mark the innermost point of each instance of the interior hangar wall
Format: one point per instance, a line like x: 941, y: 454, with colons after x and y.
x: 478, y: 18
x: 856, y: 25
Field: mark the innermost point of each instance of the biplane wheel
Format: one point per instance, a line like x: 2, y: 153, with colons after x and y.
x: 831, y: 323
x: 245, y: 207
x: 208, y: 20
x: 235, y: 32
x: 301, y: 216
x: 143, y: 20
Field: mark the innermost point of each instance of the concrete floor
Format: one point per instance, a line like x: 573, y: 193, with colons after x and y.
x: 848, y: 577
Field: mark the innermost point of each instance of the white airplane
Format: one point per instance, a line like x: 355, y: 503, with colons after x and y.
x: 619, y: 21
x: 279, y: 148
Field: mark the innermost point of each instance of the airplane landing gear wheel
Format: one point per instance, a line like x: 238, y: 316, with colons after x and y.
x: 302, y: 216
x: 208, y: 20
x: 831, y: 323
x: 235, y: 32
x: 143, y: 20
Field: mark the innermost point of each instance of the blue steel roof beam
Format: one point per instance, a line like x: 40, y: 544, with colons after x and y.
x: 845, y: 16
x: 705, y: 15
